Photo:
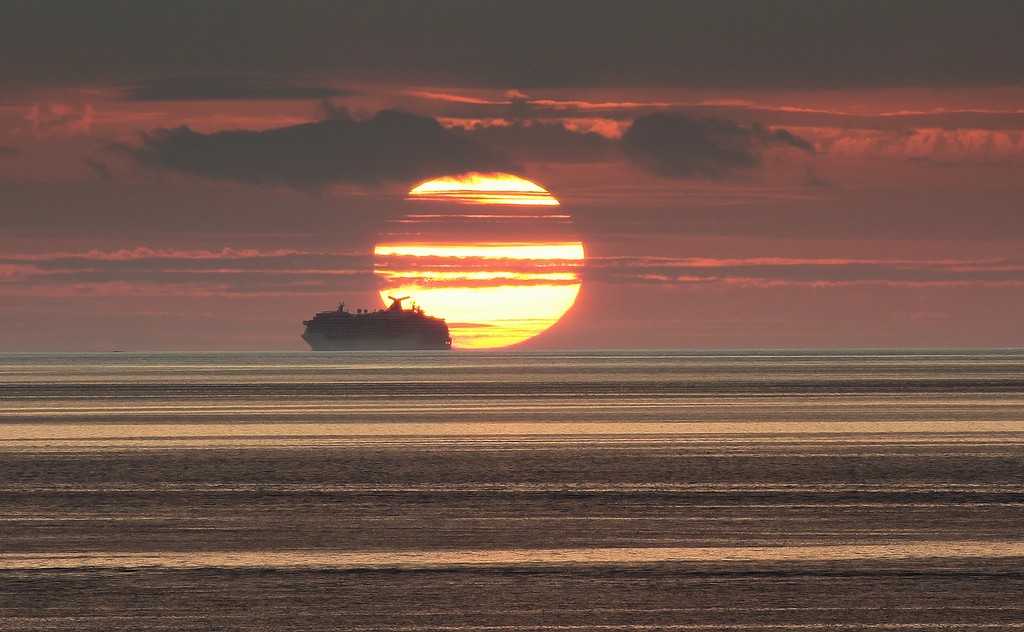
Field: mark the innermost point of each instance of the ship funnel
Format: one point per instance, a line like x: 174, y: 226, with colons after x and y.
x: 396, y: 303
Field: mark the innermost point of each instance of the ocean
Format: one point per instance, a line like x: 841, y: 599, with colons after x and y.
x: 513, y: 491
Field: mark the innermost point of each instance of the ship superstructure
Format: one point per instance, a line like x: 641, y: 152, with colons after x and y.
x: 394, y: 328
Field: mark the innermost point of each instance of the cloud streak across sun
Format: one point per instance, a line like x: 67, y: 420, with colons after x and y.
x: 546, y: 252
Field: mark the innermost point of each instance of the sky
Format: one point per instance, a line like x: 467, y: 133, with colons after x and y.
x: 742, y: 175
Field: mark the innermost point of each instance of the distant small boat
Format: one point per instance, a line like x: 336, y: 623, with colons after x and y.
x: 393, y: 328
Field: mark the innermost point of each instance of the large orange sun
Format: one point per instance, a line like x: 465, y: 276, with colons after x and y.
x: 500, y: 273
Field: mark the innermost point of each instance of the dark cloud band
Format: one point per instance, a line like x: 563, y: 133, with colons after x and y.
x: 389, y: 146
x: 675, y: 146
x: 225, y: 89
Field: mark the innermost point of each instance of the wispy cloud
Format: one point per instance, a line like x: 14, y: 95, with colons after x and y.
x: 201, y: 272
x: 777, y: 272
x: 144, y: 252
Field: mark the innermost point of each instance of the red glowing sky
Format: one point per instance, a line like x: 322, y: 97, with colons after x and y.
x: 742, y: 177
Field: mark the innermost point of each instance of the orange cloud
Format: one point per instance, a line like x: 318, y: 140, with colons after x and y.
x: 18, y: 272
x: 59, y: 119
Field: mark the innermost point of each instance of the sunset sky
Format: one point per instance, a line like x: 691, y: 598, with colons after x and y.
x: 207, y: 175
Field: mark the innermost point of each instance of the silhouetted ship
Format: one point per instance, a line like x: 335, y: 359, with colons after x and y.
x: 391, y: 329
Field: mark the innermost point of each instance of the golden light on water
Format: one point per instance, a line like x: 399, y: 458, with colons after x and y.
x: 498, y: 278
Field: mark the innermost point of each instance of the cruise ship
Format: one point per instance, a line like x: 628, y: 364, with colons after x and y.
x: 394, y: 328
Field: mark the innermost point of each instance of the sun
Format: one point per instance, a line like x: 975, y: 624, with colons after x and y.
x: 484, y: 188
x: 500, y: 273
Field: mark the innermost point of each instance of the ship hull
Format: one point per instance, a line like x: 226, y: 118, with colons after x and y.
x: 393, y: 329
x: 320, y: 342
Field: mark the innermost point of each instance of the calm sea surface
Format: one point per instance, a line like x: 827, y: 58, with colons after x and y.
x: 512, y: 491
